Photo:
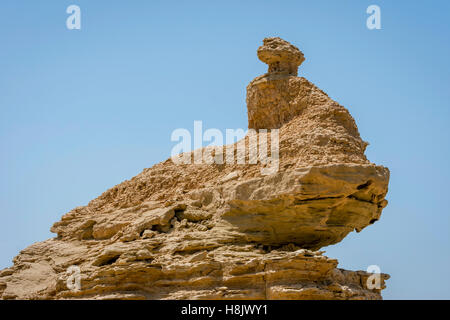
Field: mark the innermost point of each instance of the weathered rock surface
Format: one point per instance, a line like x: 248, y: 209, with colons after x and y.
x: 281, y: 56
x: 225, y: 231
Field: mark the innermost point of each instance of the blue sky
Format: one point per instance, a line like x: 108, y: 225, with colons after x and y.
x: 83, y: 110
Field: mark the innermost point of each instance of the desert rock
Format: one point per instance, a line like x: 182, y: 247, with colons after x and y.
x: 225, y: 231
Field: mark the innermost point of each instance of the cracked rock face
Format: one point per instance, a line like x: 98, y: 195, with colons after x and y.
x: 225, y: 231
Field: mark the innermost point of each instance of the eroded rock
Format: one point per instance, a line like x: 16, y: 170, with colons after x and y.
x: 225, y: 231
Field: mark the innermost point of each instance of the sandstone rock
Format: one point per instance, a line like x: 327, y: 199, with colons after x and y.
x: 280, y: 55
x: 225, y: 231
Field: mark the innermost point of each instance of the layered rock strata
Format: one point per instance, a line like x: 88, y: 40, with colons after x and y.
x: 225, y: 231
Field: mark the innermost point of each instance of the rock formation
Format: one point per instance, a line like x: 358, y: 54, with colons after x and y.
x: 225, y: 231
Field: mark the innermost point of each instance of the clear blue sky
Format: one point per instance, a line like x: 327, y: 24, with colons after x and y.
x: 81, y: 111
